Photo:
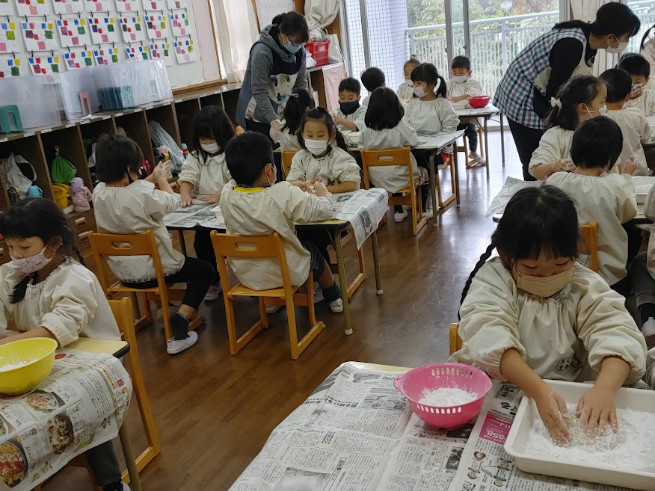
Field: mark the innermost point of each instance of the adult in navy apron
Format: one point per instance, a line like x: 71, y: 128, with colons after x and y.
x: 538, y: 71
x: 275, y: 68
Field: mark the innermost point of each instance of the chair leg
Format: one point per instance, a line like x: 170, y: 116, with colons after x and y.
x: 263, y: 316
x: 166, y: 315
x: 480, y: 141
x: 135, y: 482
x: 304, y: 300
x: 293, y: 329
x: 418, y: 220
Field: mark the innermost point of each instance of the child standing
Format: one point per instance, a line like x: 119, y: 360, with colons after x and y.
x: 349, y: 116
x: 204, y: 173
x: 47, y: 293
x: 607, y: 199
x: 639, y: 69
x: 460, y: 87
x: 297, y: 105
x: 254, y: 204
x: 633, y: 124
x: 124, y: 204
x: 578, y: 99
x: 405, y: 90
x: 385, y: 129
x: 534, y: 313
x: 372, y: 78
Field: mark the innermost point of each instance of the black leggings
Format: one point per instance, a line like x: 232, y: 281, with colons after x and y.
x: 526, y: 141
x: 196, y: 273
x: 103, y: 463
x: 202, y: 244
x: 470, y: 132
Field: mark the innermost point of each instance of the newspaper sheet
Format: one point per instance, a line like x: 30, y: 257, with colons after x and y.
x: 199, y: 214
x: 363, y: 209
x: 509, y: 189
x: 79, y: 406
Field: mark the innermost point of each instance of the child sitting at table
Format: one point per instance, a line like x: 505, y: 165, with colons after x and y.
x: 254, y: 204
x: 639, y: 69
x: 349, y: 116
x: 299, y: 102
x: 535, y: 313
x: 601, y: 197
x: 579, y: 99
x: 47, y: 293
x: 372, y: 78
x: 124, y: 204
x: 385, y: 129
x: 405, y: 90
x: 204, y: 173
x: 633, y: 124
x: 460, y: 87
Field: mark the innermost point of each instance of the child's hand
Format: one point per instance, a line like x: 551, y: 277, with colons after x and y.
x: 636, y: 91
x: 185, y: 200
x: 552, y: 409
x: 559, y: 166
x: 320, y: 189
x: 630, y: 166
x: 211, y: 198
x: 596, y: 409
x: 163, y: 170
x: 338, y: 120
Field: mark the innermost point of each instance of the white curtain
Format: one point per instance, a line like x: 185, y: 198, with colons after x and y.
x: 585, y: 10
x: 319, y: 14
x: 236, y: 30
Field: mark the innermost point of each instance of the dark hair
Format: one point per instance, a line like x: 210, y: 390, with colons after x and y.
x: 320, y: 114
x: 461, y: 62
x: 292, y: 23
x: 635, y: 64
x: 351, y: 85
x: 384, y: 109
x: 246, y: 156
x: 596, y: 143
x: 116, y: 155
x: 644, y: 37
x: 427, y: 72
x: 612, y: 18
x: 618, y: 83
x: 42, y: 218
x: 578, y: 90
x: 211, y: 122
x: 299, y: 101
x: 536, y: 219
x: 411, y: 61
x: 372, y: 78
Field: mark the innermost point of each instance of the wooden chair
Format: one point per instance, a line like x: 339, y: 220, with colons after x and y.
x: 464, y: 148
x: 143, y: 244
x: 589, y: 243
x: 453, y: 337
x: 263, y: 246
x: 287, y: 157
x: 410, y: 195
x: 449, y: 163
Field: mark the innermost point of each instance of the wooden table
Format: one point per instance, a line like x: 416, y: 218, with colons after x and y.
x: 486, y: 113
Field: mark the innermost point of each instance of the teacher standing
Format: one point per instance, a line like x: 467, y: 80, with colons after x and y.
x: 538, y: 71
x: 276, y: 67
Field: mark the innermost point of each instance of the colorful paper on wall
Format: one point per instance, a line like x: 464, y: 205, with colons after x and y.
x: 105, y: 55
x: 78, y: 58
x: 97, y: 5
x: 127, y: 6
x: 7, y: 7
x: 10, y: 67
x: 44, y: 65
x: 137, y: 51
x: 156, y: 26
x: 161, y: 50
x: 9, y: 42
x: 154, y: 5
x: 39, y: 36
x: 176, y: 4
x: 132, y: 29
x: 73, y: 32
x: 185, y: 50
x: 31, y: 8
x: 104, y: 29
x: 180, y: 23
x: 67, y: 6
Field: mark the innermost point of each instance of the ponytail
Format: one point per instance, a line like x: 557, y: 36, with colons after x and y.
x: 483, y: 259
x: 20, y: 288
x: 442, y: 89
x: 341, y: 141
x: 644, y: 37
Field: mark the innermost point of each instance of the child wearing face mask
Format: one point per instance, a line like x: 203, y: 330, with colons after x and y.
x: 534, y: 313
x: 124, y: 204
x: 579, y: 99
x: 349, y: 116
x: 253, y: 203
x: 405, y: 90
x: 601, y: 197
x: 641, y: 95
x: 204, y: 173
x: 47, y: 293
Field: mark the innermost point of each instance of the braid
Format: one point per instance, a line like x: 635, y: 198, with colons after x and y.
x: 483, y: 259
x: 341, y: 141
x: 18, y: 293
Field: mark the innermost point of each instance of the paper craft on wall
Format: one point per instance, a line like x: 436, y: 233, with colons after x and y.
x: 180, y: 23
x: 161, y: 50
x: 105, y: 56
x: 154, y: 5
x: 97, y: 5
x: 67, y: 6
x: 10, y: 67
x: 127, y: 6
x: 6, y: 8
x: 156, y: 26
x: 103, y: 29
x: 44, y: 65
x: 31, y: 7
x: 174, y: 4
x: 132, y: 29
x: 185, y: 51
x: 73, y: 32
x: 9, y: 37
x: 78, y: 58
x: 39, y: 36
x: 137, y: 51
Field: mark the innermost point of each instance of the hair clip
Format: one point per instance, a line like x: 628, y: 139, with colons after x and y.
x: 554, y: 102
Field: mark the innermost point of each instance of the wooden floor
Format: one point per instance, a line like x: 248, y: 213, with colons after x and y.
x: 215, y: 411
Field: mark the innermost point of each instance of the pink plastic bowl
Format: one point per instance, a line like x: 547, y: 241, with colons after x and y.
x: 479, y: 101
x: 438, y: 375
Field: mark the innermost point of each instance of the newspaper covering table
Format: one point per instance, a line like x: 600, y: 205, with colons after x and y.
x: 198, y: 215
x: 79, y: 406
x: 357, y: 432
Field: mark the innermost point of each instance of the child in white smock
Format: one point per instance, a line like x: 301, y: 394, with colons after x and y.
x: 405, y: 91
x: 642, y: 96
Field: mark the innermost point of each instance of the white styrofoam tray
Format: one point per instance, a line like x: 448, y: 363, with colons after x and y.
x: 517, y: 439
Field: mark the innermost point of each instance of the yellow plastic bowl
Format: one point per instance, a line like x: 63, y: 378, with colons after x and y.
x: 24, y: 364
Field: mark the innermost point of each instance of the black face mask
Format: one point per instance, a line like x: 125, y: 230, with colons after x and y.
x: 349, y: 107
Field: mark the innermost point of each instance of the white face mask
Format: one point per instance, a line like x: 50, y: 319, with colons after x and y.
x: 274, y: 179
x: 602, y: 111
x: 622, y: 45
x: 544, y: 287
x: 459, y: 79
x: 32, y: 264
x: 210, y: 148
x: 420, y: 91
x: 316, y: 147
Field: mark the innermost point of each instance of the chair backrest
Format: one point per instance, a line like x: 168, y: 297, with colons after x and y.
x: 454, y: 340
x: 589, y: 243
x: 287, y: 157
x: 142, y: 244
x: 385, y: 158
